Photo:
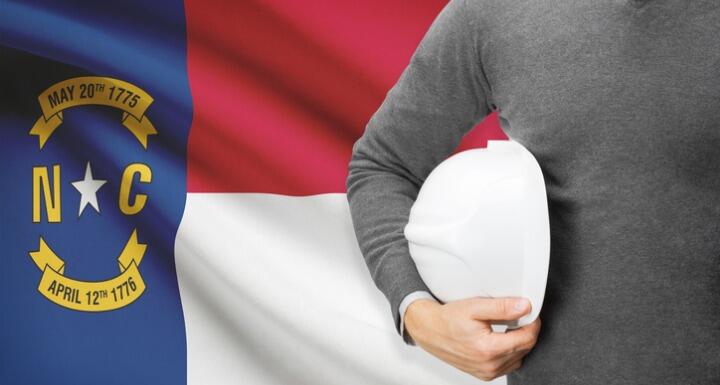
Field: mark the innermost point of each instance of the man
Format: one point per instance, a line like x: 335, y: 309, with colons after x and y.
x: 619, y: 101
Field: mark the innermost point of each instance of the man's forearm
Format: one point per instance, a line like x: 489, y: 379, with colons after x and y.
x: 440, y: 96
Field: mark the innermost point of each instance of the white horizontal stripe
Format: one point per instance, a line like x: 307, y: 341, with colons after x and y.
x: 275, y: 291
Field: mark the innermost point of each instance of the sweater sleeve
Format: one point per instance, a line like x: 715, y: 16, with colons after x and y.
x: 439, y: 97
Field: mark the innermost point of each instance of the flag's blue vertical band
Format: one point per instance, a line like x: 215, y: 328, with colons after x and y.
x: 43, y: 342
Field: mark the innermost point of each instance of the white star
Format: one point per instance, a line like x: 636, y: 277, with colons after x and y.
x: 88, y: 189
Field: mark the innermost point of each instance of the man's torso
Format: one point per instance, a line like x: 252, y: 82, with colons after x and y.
x: 620, y: 103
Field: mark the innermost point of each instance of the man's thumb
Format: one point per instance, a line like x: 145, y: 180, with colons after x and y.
x: 498, y: 309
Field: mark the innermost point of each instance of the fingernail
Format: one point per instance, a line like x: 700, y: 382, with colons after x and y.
x: 521, y: 304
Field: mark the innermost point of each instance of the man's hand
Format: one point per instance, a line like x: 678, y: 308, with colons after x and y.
x: 460, y: 334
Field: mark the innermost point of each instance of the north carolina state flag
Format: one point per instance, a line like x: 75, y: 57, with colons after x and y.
x: 172, y: 206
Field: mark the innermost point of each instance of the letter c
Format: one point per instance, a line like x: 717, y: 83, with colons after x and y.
x: 126, y: 183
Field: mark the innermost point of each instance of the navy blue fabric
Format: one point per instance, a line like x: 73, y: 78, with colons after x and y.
x: 42, y: 43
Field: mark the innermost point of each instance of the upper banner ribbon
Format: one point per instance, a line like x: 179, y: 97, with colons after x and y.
x: 86, y: 90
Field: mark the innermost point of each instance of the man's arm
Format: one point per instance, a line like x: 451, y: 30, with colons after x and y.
x: 440, y: 96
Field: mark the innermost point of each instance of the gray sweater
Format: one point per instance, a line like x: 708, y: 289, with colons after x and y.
x: 619, y: 100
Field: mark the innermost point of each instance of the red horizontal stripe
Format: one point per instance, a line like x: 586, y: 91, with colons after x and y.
x: 282, y: 89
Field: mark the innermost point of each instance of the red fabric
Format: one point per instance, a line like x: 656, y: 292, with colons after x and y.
x: 282, y: 89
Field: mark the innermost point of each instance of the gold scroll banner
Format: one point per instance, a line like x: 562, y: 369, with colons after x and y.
x: 98, y: 296
x: 94, y: 90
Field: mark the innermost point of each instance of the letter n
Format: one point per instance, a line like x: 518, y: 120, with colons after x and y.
x: 41, y: 181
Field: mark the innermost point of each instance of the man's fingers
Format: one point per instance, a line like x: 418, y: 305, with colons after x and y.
x: 506, y: 364
x: 507, y: 343
x: 511, y: 365
x: 497, y: 309
x: 528, y: 332
x: 500, y: 366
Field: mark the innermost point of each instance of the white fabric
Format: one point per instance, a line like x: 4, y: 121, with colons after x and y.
x: 275, y: 291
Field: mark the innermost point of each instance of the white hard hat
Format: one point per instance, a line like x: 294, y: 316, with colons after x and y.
x: 480, y: 227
